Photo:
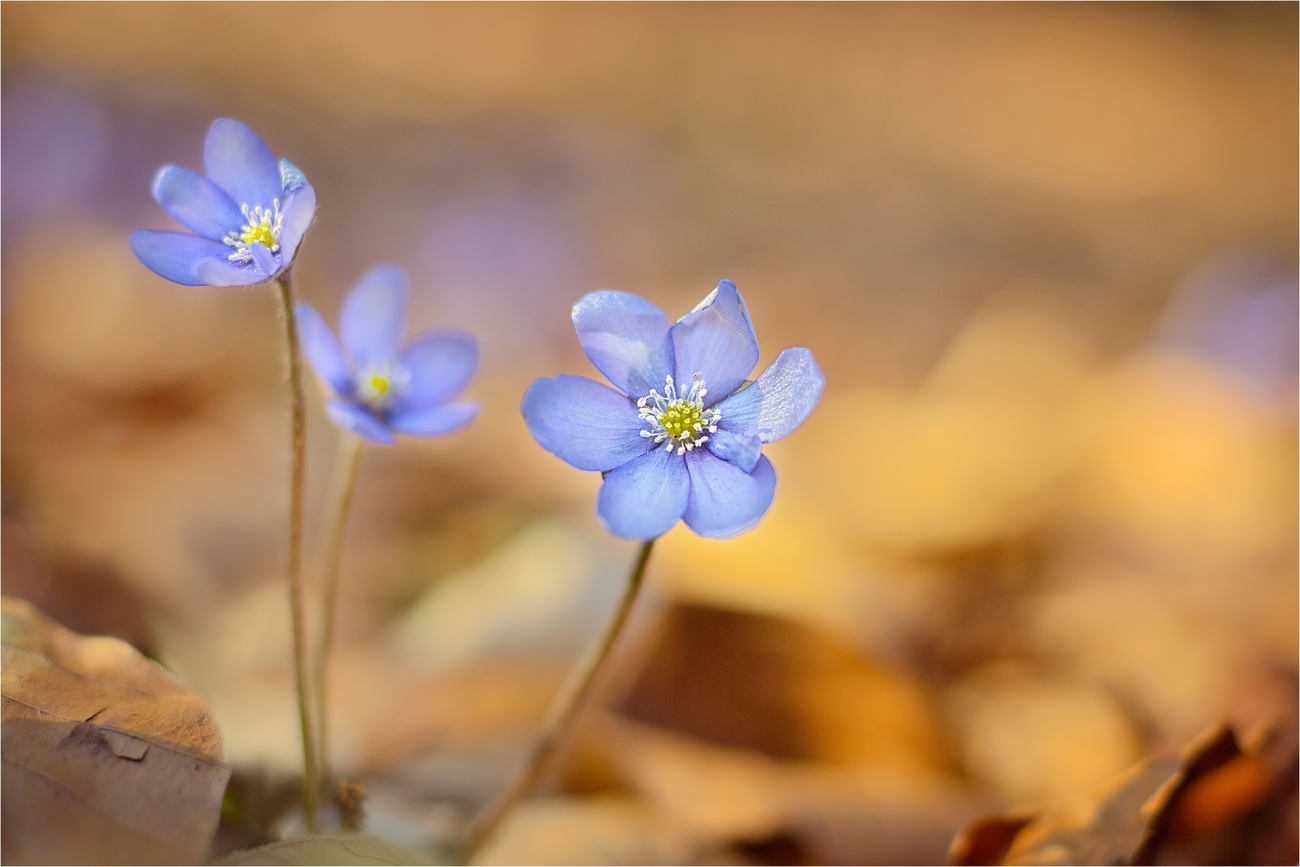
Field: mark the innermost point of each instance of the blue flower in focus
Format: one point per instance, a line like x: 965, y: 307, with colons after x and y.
x: 381, y: 386
x: 682, y: 437
x: 247, y: 215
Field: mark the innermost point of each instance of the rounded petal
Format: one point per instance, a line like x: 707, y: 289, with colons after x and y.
x: 584, y: 423
x: 440, y: 364
x: 265, y: 260
x: 374, y: 316
x: 646, y: 496
x: 299, y: 210
x: 236, y: 159
x: 626, y: 337
x: 323, y: 351
x: 716, y: 340
x: 434, y: 420
x: 179, y: 256
x: 359, y: 421
x: 196, y: 203
x: 743, y: 450
x: 779, y: 400
x: 725, y: 500
x: 223, y: 272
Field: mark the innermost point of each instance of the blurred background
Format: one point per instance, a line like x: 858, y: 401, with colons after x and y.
x: 1042, y: 525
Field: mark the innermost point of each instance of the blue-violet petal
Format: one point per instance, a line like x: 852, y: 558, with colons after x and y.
x: 178, y: 255
x: 779, y: 400
x: 433, y: 420
x: 743, y: 450
x: 716, y: 340
x: 646, y: 496
x: 374, y: 316
x: 360, y: 421
x: 196, y: 202
x: 439, y: 365
x: 239, y: 162
x: 323, y: 351
x: 299, y: 211
x: 265, y: 260
x: 626, y: 337
x: 725, y: 500
x: 585, y: 423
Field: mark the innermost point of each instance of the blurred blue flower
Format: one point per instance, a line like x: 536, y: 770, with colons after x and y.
x: 683, y: 436
x: 247, y: 215
x: 381, y: 386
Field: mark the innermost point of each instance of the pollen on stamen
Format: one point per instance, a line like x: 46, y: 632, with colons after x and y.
x: 679, y: 420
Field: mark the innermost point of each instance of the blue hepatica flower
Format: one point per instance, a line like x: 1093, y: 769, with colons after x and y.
x: 683, y: 435
x: 247, y: 215
x: 382, y: 387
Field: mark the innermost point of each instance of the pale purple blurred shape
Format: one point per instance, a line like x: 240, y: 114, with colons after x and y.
x: 1241, y: 311
x: 501, y: 265
x: 53, y: 146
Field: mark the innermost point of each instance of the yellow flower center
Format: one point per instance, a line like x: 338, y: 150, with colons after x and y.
x: 262, y: 226
x: 380, y: 385
x: 681, y: 422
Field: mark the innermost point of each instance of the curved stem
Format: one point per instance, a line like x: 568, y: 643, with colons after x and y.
x: 345, y: 477
x: 310, y: 783
x: 558, y: 718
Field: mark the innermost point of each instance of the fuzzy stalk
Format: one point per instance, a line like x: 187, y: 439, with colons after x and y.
x: 559, y: 717
x: 298, y: 412
x: 345, y: 478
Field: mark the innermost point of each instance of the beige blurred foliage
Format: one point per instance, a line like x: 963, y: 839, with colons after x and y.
x: 1033, y: 534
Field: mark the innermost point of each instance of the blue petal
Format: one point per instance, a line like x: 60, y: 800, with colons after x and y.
x: 583, y: 422
x: 374, y: 316
x: 291, y: 177
x: 726, y: 500
x: 239, y: 162
x: 323, y: 351
x: 433, y: 421
x: 716, y: 340
x: 740, y: 449
x: 626, y: 337
x: 196, y: 203
x: 178, y: 255
x: 779, y: 400
x: 265, y: 260
x: 644, y: 497
x: 360, y: 421
x: 440, y: 364
x: 299, y: 210
x: 223, y: 272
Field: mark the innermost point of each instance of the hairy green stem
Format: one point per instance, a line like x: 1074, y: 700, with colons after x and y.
x: 558, y: 718
x: 345, y: 477
x: 310, y: 778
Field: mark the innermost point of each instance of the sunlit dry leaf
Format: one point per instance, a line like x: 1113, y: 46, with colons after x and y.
x: 970, y: 457
x: 605, y: 830
x: 783, y: 688
x: 1155, y: 805
x: 1032, y: 738
x: 107, y: 759
x: 329, y: 849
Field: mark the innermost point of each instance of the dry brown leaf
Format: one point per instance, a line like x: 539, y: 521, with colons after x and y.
x: 1152, y: 810
x: 107, y: 759
x: 604, y: 830
x: 328, y: 849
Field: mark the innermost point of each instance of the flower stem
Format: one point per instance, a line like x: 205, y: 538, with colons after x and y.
x: 345, y: 477
x: 560, y: 715
x: 310, y: 783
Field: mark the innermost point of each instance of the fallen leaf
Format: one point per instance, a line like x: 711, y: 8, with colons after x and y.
x: 107, y: 759
x: 329, y: 849
x: 1163, y: 810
